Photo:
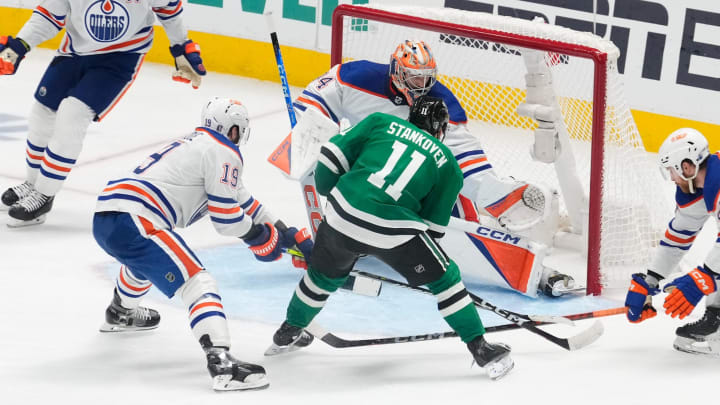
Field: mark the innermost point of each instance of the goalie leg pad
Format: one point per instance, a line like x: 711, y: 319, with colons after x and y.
x: 495, y: 256
x: 205, y: 310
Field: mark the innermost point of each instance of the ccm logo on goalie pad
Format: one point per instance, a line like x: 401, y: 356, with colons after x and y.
x: 497, y: 235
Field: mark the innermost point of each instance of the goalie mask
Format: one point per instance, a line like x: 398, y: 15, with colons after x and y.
x: 413, y: 69
x: 431, y: 114
x: 685, y: 144
x: 222, y: 114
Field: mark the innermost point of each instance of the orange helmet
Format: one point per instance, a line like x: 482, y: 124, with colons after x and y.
x: 413, y: 69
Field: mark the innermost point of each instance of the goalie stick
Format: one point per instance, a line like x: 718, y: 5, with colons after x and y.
x: 367, y: 287
x: 341, y: 343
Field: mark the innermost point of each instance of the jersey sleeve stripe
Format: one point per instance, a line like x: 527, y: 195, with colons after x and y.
x: 679, y: 231
x: 317, y: 106
x: 218, y: 210
x: 472, y: 162
x: 227, y: 220
x: 57, y: 20
x: 330, y: 161
x: 323, y: 103
x: 476, y: 170
x: 337, y: 154
x: 675, y: 239
x: 169, y: 11
x: 663, y: 243
x: 223, y: 200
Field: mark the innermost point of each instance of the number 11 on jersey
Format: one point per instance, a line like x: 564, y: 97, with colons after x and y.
x: 394, y: 190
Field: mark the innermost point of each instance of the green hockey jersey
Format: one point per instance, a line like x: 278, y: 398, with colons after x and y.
x: 386, y: 181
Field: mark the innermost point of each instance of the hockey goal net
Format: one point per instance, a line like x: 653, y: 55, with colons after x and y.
x: 616, y: 212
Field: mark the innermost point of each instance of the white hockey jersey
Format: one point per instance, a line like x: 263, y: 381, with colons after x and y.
x: 357, y: 89
x: 692, y: 211
x: 186, y: 180
x: 103, y: 26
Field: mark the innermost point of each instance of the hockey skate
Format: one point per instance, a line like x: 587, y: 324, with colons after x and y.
x: 121, y: 319
x: 554, y: 284
x: 493, y: 357
x: 288, y: 339
x: 30, y: 210
x: 701, y: 336
x: 14, y: 194
x: 231, y: 374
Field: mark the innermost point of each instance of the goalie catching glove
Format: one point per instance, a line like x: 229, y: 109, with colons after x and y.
x: 189, y: 66
x: 639, y: 299
x: 686, y: 291
x: 12, y: 52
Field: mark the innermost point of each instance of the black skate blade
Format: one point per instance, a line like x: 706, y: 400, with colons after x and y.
x: 109, y: 328
x: 19, y: 223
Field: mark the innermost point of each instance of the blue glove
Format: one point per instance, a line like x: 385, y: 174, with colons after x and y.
x: 12, y: 51
x: 188, y: 64
x: 264, y: 242
x: 639, y: 299
x: 292, y: 238
x: 686, y: 291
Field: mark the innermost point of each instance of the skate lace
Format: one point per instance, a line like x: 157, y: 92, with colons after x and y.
x: 33, y: 201
x: 142, y: 313
x: 23, y: 190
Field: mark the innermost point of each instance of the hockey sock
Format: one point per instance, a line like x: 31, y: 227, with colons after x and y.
x: 63, y: 149
x: 205, y: 310
x: 40, y: 127
x: 310, y: 296
x: 455, y: 304
x: 131, y: 288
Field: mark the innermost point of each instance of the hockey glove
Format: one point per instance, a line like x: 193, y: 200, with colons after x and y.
x: 686, y: 292
x: 639, y: 299
x: 264, y: 242
x: 188, y: 64
x: 300, y: 240
x: 12, y: 52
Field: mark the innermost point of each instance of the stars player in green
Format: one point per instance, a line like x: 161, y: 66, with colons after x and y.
x: 390, y: 186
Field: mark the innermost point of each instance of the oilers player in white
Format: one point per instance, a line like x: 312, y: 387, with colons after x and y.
x: 99, y: 57
x: 134, y: 221
x: 685, y: 158
x: 355, y: 89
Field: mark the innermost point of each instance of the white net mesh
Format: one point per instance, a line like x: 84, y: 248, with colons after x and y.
x: 488, y: 79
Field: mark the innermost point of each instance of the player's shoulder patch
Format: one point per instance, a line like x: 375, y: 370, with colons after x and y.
x: 366, y: 76
x: 457, y: 113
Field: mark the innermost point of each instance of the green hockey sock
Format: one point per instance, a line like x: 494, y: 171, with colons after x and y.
x: 455, y: 304
x: 310, y: 296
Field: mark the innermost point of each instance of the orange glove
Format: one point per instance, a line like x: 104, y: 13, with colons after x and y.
x: 686, y: 292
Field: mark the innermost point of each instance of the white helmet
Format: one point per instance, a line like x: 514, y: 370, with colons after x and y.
x: 683, y: 144
x: 222, y: 114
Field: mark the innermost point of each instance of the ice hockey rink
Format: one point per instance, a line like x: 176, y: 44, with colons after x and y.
x: 55, y: 283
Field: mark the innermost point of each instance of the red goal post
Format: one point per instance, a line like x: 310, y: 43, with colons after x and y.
x: 447, y: 24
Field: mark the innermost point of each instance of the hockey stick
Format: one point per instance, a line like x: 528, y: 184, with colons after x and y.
x: 528, y: 322
x: 341, y: 343
x: 312, y: 202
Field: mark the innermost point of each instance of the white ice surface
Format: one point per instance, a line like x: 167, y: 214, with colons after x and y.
x: 55, y: 283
